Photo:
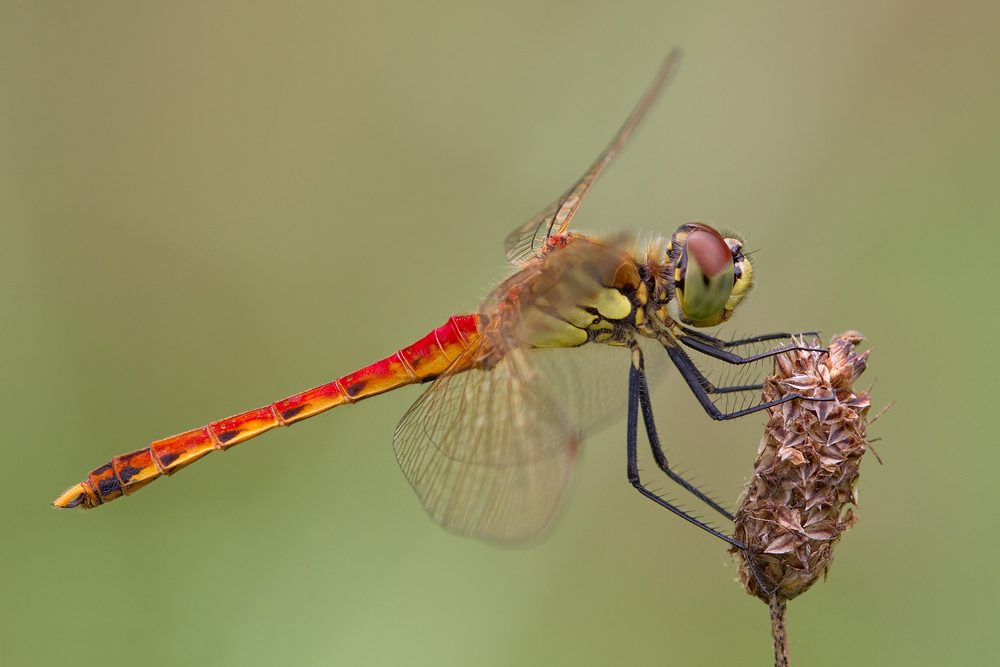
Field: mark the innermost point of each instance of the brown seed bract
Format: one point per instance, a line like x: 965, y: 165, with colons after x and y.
x: 802, y: 495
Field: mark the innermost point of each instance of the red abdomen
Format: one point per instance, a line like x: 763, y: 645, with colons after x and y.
x: 430, y: 356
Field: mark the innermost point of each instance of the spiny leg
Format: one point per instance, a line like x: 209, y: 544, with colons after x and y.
x: 701, y: 387
x: 638, y: 395
x: 636, y: 388
x: 714, y: 347
x: 710, y: 349
x: 658, y: 454
x: 722, y: 344
x: 730, y: 389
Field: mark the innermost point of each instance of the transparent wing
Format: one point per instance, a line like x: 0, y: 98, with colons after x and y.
x: 529, y: 239
x: 490, y: 453
x: 592, y: 380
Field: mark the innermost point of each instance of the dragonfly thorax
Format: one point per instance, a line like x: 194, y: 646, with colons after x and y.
x: 582, y: 290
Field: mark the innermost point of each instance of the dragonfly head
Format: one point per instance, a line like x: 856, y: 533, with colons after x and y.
x: 711, y: 274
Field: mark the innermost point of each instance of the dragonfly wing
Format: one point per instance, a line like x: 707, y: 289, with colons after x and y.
x: 529, y: 239
x: 490, y: 453
x: 592, y: 380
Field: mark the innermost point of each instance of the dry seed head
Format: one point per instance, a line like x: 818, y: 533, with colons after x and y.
x: 802, y: 496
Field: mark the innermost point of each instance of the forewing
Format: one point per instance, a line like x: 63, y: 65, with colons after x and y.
x: 490, y: 453
x: 529, y: 239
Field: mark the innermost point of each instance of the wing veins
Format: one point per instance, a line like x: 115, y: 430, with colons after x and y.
x: 529, y: 239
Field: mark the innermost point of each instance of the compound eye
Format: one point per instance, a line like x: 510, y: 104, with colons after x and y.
x: 708, y: 275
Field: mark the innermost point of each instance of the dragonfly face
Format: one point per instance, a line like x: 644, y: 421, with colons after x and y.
x: 711, y: 274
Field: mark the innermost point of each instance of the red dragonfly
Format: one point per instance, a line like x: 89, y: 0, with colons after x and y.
x: 491, y: 444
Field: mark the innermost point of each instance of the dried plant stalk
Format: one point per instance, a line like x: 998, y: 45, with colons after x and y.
x: 779, y: 631
x: 802, y: 495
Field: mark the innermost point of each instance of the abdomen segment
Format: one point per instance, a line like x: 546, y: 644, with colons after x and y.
x: 424, y: 360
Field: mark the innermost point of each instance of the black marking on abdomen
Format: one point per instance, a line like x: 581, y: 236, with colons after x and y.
x: 291, y: 412
x: 108, y: 486
x: 356, y: 388
x: 226, y: 436
x: 167, y: 459
x: 126, y: 473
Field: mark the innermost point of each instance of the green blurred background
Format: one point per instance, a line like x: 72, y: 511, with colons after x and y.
x: 207, y: 208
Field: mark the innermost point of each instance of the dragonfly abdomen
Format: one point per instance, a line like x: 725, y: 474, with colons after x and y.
x: 422, y: 361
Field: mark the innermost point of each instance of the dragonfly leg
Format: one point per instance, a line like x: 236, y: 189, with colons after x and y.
x: 637, y: 395
x: 659, y: 455
x: 638, y: 398
x: 722, y: 344
x: 729, y: 389
x: 712, y: 350
x: 701, y: 387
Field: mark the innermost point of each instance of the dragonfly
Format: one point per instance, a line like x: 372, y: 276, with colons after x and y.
x: 491, y: 444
